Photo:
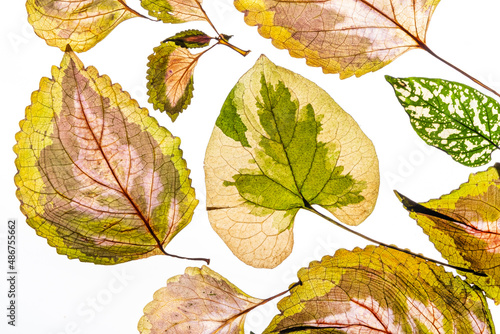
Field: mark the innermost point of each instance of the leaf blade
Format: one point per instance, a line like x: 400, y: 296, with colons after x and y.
x: 97, y: 176
x: 175, y: 11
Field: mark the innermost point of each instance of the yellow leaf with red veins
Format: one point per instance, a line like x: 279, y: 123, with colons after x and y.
x: 79, y: 23
x: 350, y: 37
x: 465, y: 227
x: 198, y: 302
x: 98, y: 177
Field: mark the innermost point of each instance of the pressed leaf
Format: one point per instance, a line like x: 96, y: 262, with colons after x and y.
x: 198, y: 302
x: 79, y: 23
x: 175, y: 11
x: 465, y: 227
x: 98, y: 177
x: 350, y: 37
x: 190, y: 39
x: 281, y: 144
x: 170, y: 78
x: 380, y: 290
x: 454, y: 117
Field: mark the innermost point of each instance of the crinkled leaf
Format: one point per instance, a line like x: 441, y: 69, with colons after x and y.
x: 79, y: 23
x: 281, y: 144
x: 190, y: 39
x: 175, y: 11
x: 350, y: 37
x: 454, y: 117
x: 98, y: 177
x: 465, y: 227
x: 380, y: 290
x: 198, y: 302
x: 170, y: 78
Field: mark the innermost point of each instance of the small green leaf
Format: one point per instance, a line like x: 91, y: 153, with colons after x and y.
x: 451, y: 116
x: 465, y: 227
x: 190, y: 39
x: 175, y: 11
x: 170, y: 78
x: 281, y: 144
x: 380, y: 290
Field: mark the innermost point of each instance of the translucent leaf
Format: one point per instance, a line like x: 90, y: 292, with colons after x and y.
x: 98, y: 177
x: 454, y: 117
x: 79, y: 23
x: 190, y: 39
x: 350, y: 37
x: 170, y: 78
x: 380, y: 290
x: 465, y: 227
x: 175, y: 11
x: 198, y: 302
x: 281, y: 144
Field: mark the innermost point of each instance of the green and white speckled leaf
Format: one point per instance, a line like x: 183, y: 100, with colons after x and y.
x: 451, y: 116
x: 380, y: 290
x: 280, y: 144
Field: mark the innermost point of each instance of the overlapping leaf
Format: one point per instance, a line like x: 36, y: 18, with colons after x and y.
x: 465, y: 227
x: 281, y: 144
x: 98, y: 177
x: 190, y: 39
x: 170, y: 78
x: 198, y: 302
x: 451, y: 116
x: 350, y: 37
x: 175, y: 11
x: 380, y: 290
x: 79, y: 23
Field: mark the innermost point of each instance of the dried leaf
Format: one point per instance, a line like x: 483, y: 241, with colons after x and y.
x: 347, y: 37
x: 281, y: 144
x: 454, y: 117
x: 98, y: 177
x: 198, y: 302
x: 175, y: 11
x: 170, y: 78
x: 465, y: 227
x: 79, y: 23
x: 190, y: 39
x: 380, y: 290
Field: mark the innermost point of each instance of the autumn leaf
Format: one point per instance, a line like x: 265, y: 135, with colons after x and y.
x: 175, y: 11
x: 454, y: 117
x: 465, y: 227
x: 198, y: 302
x: 79, y: 23
x: 190, y: 39
x: 98, y: 177
x: 380, y: 290
x: 350, y: 37
x: 170, y: 78
x: 281, y: 144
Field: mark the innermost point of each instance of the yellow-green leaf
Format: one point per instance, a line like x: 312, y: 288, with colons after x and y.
x: 198, y: 302
x: 465, y: 227
x: 350, y: 37
x: 281, y: 144
x: 380, y: 290
x: 175, y: 11
x: 170, y: 78
x: 79, y: 23
x: 98, y: 177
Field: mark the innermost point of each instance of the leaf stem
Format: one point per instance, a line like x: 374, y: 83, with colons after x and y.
x: 311, y: 209
x: 222, y: 40
x: 207, y: 261
x: 426, y: 48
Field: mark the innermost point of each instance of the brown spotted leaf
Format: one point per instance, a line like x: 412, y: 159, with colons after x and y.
x: 198, y: 302
x: 380, y: 290
x: 170, y: 78
x: 79, y: 23
x: 465, y: 227
x: 350, y: 37
x: 98, y: 177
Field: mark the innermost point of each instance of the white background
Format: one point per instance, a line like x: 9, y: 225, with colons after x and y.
x: 57, y: 295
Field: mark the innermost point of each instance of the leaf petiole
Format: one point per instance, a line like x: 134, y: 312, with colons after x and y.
x: 311, y: 209
x: 222, y: 39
